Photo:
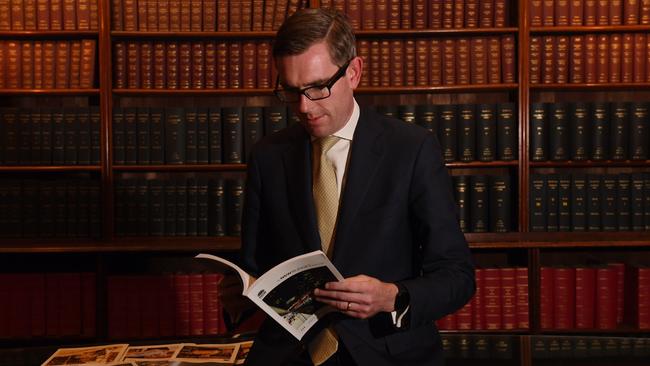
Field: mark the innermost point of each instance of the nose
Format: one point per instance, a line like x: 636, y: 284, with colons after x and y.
x: 304, y: 104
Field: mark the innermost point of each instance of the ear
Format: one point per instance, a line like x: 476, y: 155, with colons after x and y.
x: 354, y: 71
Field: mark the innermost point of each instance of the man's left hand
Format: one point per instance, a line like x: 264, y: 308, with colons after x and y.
x: 359, y: 296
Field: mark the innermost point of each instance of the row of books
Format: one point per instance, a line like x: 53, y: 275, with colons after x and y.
x: 589, y: 58
x: 45, y: 15
x: 179, y: 207
x: 201, y: 15
x: 479, y: 346
x: 423, y: 14
x: 500, y: 302
x: 590, y: 13
x: 37, y: 305
x: 50, y: 208
x: 192, y: 64
x: 596, y: 297
x: 589, y: 131
x: 579, y: 202
x: 212, y: 135
x: 484, y: 203
x: 556, y: 347
x: 47, y: 64
x: 49, y: 136
x: 438, y: 61
x: 155, y: 306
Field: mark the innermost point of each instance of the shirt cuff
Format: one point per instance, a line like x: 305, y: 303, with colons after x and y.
x: 398, y: 319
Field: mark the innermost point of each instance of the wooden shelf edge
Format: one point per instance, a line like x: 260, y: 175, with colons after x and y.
x: 516, y: 240
x: 174, y: 34
x: 130, y: 244
x: 482, y: 164
x: 586, y: 87
x: 496, y: 332
x: 590, y: 163
x: 425, y: 32
x: 182, y: 167
x: 49, y: 91
x: 221, y: 92
x: 589, y: 29
x: 43, y: 33
x: 51, y: 168
x: 592, y: 332
x: 437, y: 89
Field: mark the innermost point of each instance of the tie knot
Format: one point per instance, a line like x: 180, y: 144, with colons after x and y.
x: 326, y: 143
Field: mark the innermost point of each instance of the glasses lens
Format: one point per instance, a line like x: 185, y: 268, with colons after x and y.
x: 317, y: 92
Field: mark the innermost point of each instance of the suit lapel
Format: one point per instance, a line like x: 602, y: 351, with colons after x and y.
x: 366, y: 156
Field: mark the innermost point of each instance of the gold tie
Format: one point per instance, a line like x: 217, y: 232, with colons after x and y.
x: 326, y: 200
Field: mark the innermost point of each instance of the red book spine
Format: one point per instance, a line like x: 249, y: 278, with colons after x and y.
x: 640, y: 55
x: 182, y: 304
x: 535, y: 11
x: 602, y: 58
x: 631, y: 12
x: 564, y: 283
x: 449, y: 62
x: 448, y: 322
x: 211, y: 308
x: 70, y: 304
x: 535, y: 60
x: 210, y: 65
x: 522, y: 305
x: 561, y: 12
x: 4, y: 305
x: 421, y: 62
x: 585, y: 297
x: 591, y: 54
x: 88, y: 304
x: 396, y: 62
x: 462, y: 61
x: 577, y: 59
x: 487, y: 13
x: 643, y: 298
x: 548, y: 60
x: 447, y: 14
x: 19, y: 307
x: 459, y: 14
x: 615, y: 50
x: 464, y: 317
x: 146, y: 65
x: 435, y: 61
x: 185, y: 15
x: 644, y: 12
x: 602, y: 12
x: 508, y: 298
x: 117, y: 306
x: 249, y: 61
x: 196, y: 304
x: 492, y: 301
x: 606, y: 298
x: 141, y: 11
x: 615, y: 12
x: 478, y: 315
x: 235, y: 65
x: 264, y: 65
x: 363, y: 48
x: 472, y: 13
x: 548, y: 13
x: 119, y: 65
x: 479, y: 61
x: 576, y: 10
x: 419, y: 13
x: 394, y: 14
x: 381, y: 14
x: 184, y: 65
x: 409, y: 62
x: 500, y: 13
x: 367, y: 14
x: 175, y: 16
x: 150, y: 306
x: 590, y: 12
x: 222, y: 65
x: 134, y: 311
x: 167, y: 295
x: 547, y: 279
x: 13, y: 66
x: 435, y: 14
x: 37, y: 303
x: 353, y: 11
x: 52, y: 309
x: 561, y: 59
x: 620, y: 290
x: 198, y: 65
x: 132, y: 65
x: 495, y: 60
x: 159, y: 61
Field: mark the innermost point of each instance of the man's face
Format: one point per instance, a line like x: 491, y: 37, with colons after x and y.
x: 315, y: 67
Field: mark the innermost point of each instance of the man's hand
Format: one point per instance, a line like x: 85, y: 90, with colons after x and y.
x: 359, y: 296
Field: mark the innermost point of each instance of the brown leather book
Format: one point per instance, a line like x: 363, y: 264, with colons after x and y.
x: 448, y: 62
x: 381, y: 14
x: 159, y: 67
x: 394, y: 14
x: 257, y: 19
x: 576, y: 10
x: 38, y: 64
x: 56, y: 14
x: 640, y: 68
x: 281, y: 12
x: 29, y: 13
x: 591, y: 54
x: 421, y: 62
x: 75, y: 64
x: 198, y: 65
x: 3, y: 68
x: 548, y: 59
x: 49, y: 64
x: 576, y: 60
x: 246, y: 15
x: 172, y: 65
x: 589, y: 16
x: 647, y: 70
x: 363, y: 49
x: 27, y: 60
x: 222, y: 65
x: 602, y: 59
x: 384, y: 62
x: 375, y: 64
x: 631, y: 12
x: 264, y: 65
x: 508, y: 57
x: 561, y: 59
x: 269, y: 9
x: 293, y: 6
x: 130, y: 12
x: 62, y: 65
x: 119, y: 64
x: 14, y: 64
x: 185, y: 16
x: 471, y: 13
x: 644, y: 12
x: 419, y: 14
x: 479, y: 63
x: 535, y: 11
x: 249, y: 62
x: 163, y: 16
x: 5, y: 15
x: 561, y: 12
x: 615, y: 50
x: 146, y: 65
x: 615, y: 12
x: 117, y: 20
x: 396, y: 65
x: 495, y: 60
x: 184, y: 65
x: 486, y: 17
x: 141, y: 10
x: 548, y: 13
x: 459, y: 14
x: 500, y: 13
x: 409, y: 62
x: 353, y: 11
x: 210, y: 65
x: 406, y: 14
x: 83, y: 14
x: 174, y: 15
x: 93, y: 6
x: 17, y: 15
x: 535, y: 60
x: 435, y: 13
x: 235, y: 65
x: 627, y: 58
x: 435, y: 62
x: 196, y: 16
x: 132, y: 65
x: 462, y: 61
x: 152, y: 15
x: 447, y: 14
x: 602, y: 12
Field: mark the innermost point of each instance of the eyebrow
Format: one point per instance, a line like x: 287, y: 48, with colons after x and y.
x: 309, y: 85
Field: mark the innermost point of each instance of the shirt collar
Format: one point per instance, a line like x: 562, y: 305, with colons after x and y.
x: 347, y: 132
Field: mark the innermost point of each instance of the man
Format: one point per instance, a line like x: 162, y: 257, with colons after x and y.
x: 392, y: 231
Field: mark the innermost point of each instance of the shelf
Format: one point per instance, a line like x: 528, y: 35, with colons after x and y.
x: 190, y: 92
x: 590, y: 163
x: 496, y: 332
x: 591, y: 29
x: 437, y: 89
x: 51, y: 168
x: 482, y: 164
x: 433, y: 32
x: 529, y: 240
x: 595, y: 86
x: 49, y: 91
x: 47, y: 34
x: 181, y: 167
x: 130, y: 244
x: 176, y: 35
x: 624, y: 330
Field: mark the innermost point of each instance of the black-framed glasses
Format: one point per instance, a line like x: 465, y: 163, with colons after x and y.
x: 315, y: 92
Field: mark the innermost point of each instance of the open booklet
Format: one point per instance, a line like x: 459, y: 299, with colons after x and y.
x: 285, y: 292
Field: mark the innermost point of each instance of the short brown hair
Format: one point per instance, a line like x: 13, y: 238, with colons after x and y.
x: 307, y: 27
